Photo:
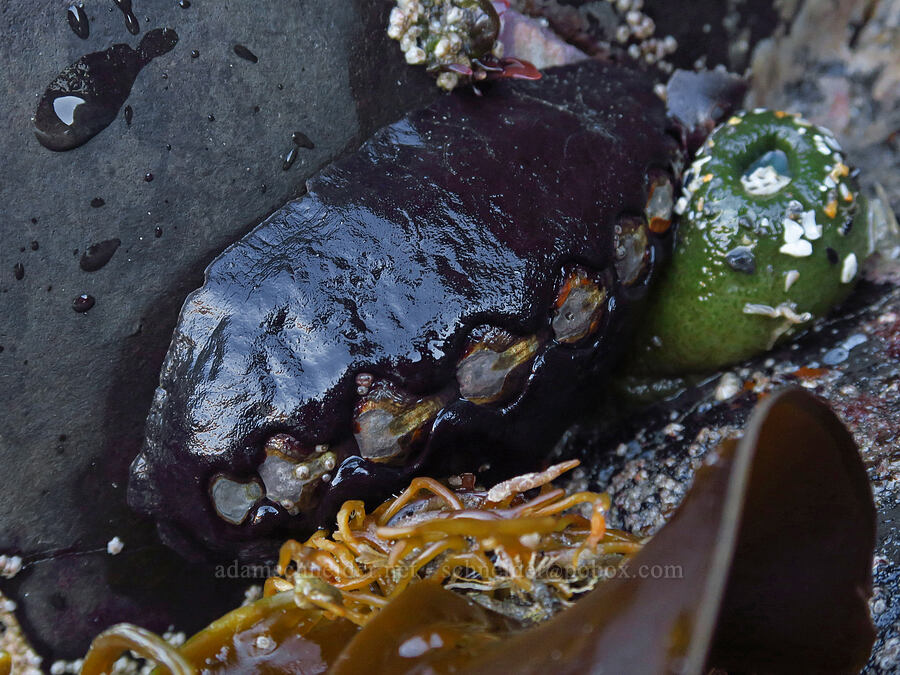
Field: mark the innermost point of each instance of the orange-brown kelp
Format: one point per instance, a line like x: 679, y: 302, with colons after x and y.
x: 766, y: 566
x: 523, y: 547
x: 498, y: 545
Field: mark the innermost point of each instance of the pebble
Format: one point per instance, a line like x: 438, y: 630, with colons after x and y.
x: 729, y: 386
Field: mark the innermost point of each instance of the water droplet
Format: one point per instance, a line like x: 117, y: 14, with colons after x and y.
x: 169, y: 146
x: 246, y: 54
x: 195, y: 53
x: 211, y: 117
x: 83, y: 303
x: 78, y: 20
x: 289, y: 159
x: 86, y: 96
x: 35, y: 246
x: 148, y: 177
x: 131, y: 21
x: 263, y: 188
x: 97, y: 202
x: 280, y: 86
x: 184, y: 4
x: 97, y: 255
x: 157, y: 232
x: 302, y: 140
x: 19, y: 271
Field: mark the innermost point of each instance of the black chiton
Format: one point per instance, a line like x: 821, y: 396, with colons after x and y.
x: 447, y: 297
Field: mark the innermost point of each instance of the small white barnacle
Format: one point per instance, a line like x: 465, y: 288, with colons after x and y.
x: 114, y: 546
x: 415, y: 56
x: 849, y: 268
x: 10, y: 565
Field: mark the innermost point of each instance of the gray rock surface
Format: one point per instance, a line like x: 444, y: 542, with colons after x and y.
x: 75, y: 388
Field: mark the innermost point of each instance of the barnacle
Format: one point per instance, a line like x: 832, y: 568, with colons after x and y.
x: 771, y: 236
x: 456, y: 40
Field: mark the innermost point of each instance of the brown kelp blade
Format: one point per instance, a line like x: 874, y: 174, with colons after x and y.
x: 801, y: 573
x: 425, y: 629
x: 765, y: 566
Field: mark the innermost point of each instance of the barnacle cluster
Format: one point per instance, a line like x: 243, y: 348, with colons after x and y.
x: 771, y: 236
x: 456, y: 40
x: 597, y: 27
x: 17, y: 656
x: 522, y: 555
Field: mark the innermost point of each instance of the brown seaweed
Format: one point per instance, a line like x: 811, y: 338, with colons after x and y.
x: 772, y: 553
x: 765, y: 567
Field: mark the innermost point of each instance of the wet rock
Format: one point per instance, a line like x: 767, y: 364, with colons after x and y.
x: 90, y: 377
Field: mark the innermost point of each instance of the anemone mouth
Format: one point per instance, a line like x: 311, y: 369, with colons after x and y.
x: 768, y: 174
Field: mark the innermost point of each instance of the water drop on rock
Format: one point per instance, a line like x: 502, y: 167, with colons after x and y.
x: 131, y: 21
x: 302, y: 140
x: 86, y: 96
x: 19, y: 271
x: 78, y: 20
x: 97, y: 255
x: 83, y: 303
x: 246, y: 54
x: 289, y: 159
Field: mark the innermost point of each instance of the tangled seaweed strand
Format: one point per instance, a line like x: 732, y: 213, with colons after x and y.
x: 111, y: 643
x: 507, y: 548
x: 499, y: 545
